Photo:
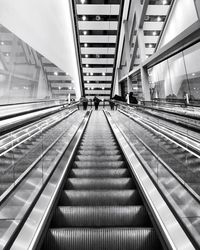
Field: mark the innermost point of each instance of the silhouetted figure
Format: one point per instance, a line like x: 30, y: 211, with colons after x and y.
x: 132, y: 98
x: 84, y: 101
x: 112, y: 104
x: 96, y: 102
x: 119, y: 98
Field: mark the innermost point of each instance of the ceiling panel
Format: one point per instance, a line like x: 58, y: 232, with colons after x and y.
x: 97, y: 28
x: 97, y: 70
x: 97, y: 9
x: 96, y: 25
x: 97, y: 60
x: 99, y: 51
x: 157, y: 10
x: 98, y: 39
x: 98, y: 78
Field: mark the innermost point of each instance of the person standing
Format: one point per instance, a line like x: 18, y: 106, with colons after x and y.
x: 96, y: 102
x: 85, y: 103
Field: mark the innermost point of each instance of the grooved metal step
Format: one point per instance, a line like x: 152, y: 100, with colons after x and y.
x: 98, y: 183
x: 98, y: 152
x: 98, y: 164
x: 100, y: 198
x: 102, y: 239
x: 99, y: 158
x: 93, y: 173
x: 107, y: 216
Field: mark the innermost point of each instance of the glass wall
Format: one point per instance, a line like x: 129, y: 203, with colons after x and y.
x: 26, y: 75
x: 177, y: 78
x: 183, y: 15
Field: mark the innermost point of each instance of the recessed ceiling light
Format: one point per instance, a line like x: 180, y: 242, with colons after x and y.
x: 159, y: 19
x: 55, y: 73
x: 2, y: 43
x: 86, y: 56
x: 165, y: 2
x: 103, y: 88
x: 87, y: 74
x: 103, y: 74
x: 91, y: 73
x: 150, y: 45
x: 92, y: 87
x: 83, y: 18
x: 84, y: 32
x: 82, y: 1
x: 7, y: 54
x: 87, y: 65
x: 193, y: 74
x: 154, y: 33
x: 59, y: 87
x: 98, y: 18
x: 88, y: 81
x: 85, y: 45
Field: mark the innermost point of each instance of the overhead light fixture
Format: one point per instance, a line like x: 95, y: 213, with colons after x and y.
x: 67, y: 74
x: 82, y: 1
x: 88, y: 81
x: 165, y: 2
x: 103, y: 74
x: 59, y: 88
x: 87, y: 74
x: 92, y: 88
x: 91, y: 73
x: 159, y: 19
x: 85, y: 45
x: 154, y: 33
x: 86, y: 56
x: 103, y: 88
x: 55, y: 73
x: 7, y: 54
x: 2, y: 43
x: 84, y: 32
x: 87, y: 65
x: 147, y: 56
x: 150, y: 45
x: 84, y: 18
x: 193, y: 74
x: 98, y: 18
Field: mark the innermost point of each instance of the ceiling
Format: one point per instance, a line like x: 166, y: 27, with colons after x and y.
x: 98, y: 22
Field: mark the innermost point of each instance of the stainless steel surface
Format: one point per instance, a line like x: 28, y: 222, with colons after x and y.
x: 29, y: 235
x: 168, y: 224
x: 18, y: 203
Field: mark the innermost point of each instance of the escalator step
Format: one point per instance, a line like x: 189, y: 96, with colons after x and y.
x: 108, y: 216
x: 98, y: 164
x: 91, y: 173
x: 100, y: 198
x: 106, y: 148
x: 99, y: 183
x: 102, y: 239
x: 98, y: 158
x: 98, y: 152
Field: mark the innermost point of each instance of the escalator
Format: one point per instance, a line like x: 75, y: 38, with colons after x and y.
x: 100, y: 206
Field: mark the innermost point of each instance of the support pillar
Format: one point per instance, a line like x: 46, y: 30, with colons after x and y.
x: 144, y: 73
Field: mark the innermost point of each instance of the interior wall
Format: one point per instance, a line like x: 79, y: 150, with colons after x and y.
x: 47, y: 27
x: 181, y: 17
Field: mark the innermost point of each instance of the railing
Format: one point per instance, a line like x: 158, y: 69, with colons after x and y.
x: 184, y: 202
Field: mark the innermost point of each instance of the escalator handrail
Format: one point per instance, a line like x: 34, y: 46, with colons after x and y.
x: 40, y: 213
x: 181, y: 182
x: 13, y: 186
x: 174, y: 237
